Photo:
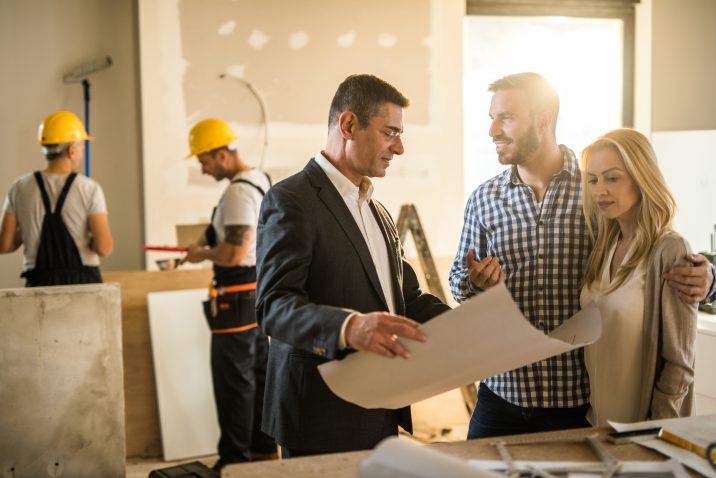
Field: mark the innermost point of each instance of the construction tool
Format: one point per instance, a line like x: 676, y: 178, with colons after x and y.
x: 608, y: 466
x: 80, y: 74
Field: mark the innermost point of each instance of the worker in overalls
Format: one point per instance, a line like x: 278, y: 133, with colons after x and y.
x: 239, y: 349
x: 59, y: 216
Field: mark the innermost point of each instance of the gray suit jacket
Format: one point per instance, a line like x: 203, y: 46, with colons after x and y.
x: 314, y: 269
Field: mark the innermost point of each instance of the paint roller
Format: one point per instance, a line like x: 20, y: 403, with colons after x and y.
x: 80, y: 74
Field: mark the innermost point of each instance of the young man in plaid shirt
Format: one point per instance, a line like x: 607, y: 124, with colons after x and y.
x: 525, y: 226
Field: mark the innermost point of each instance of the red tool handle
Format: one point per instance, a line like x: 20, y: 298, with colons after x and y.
x: 165, y: 248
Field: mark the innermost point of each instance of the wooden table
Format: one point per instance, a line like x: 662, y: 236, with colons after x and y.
x: 345, y: 465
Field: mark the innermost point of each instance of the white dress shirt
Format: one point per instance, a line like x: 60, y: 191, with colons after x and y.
x: 357, y: 200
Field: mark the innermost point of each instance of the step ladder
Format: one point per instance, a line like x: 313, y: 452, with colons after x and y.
x: 408, y: 220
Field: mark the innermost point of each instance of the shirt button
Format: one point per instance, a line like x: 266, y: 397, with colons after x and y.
x: 540, y: 323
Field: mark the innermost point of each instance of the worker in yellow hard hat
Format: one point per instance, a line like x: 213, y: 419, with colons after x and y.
x: 59, y: 216
x: 239, y: 349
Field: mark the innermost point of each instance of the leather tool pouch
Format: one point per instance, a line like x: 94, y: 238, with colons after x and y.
x: 231, y: 310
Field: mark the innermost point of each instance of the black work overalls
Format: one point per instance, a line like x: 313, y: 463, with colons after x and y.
x: 58, y: 261
x: 239, y: 352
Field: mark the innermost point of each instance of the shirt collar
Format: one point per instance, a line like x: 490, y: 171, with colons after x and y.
x: 569, y: 166
x: 344, y: 185
x: 240, y: 174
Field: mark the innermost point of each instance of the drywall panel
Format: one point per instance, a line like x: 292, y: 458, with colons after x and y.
x: 688, y: 161
x: 181, y: 350
x: 61, y: 391
x: 296, y: 60
x: 303, y: 40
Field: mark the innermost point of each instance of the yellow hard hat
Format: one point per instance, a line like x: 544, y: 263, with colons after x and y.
x: 61, y: 127
x: 209, y: 134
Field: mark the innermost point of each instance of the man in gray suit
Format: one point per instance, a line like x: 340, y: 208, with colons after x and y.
x: 332, y: 277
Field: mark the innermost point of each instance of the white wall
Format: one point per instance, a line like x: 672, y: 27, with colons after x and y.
x: 40, y: 41
x: 688, y: 162
x: 184, y: 46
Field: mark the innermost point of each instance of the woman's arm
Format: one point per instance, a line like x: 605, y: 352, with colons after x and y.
x: 677, y: 338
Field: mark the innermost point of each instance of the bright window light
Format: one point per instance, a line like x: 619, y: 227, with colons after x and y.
x: 580, y: 57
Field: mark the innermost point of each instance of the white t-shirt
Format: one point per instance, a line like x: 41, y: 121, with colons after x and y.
x: 614, y: 362
x: 84, y: 199
x: 239, y: 206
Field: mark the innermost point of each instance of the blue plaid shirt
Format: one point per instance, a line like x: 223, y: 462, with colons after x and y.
x: 543, y: 249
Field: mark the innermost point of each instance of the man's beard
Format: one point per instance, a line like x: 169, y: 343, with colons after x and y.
x: 526, y: 145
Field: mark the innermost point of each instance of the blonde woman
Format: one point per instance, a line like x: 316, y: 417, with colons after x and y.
x: 642, y: 367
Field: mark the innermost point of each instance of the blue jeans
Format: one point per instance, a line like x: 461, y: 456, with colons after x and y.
x: 494, y: 416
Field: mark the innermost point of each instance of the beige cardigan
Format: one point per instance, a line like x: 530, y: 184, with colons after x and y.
x: 669, y: 336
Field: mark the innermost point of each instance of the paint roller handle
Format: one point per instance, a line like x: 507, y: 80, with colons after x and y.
x: 86, y: 89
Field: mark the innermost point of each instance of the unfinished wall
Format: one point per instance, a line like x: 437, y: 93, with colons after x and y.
x: 40, y: 41
x: 61, y: 389
x: 296, y: 59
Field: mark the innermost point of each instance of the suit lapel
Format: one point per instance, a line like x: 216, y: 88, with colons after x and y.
x: 328, y: 194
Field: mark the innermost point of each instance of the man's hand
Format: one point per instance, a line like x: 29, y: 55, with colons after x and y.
x: 691, y: 283
x: 378, y: 332
x: 485, y: 273
x: 194, y: 254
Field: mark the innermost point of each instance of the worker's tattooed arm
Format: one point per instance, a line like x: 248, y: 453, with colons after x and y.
x: 236, y: 235
x: 229, y: 252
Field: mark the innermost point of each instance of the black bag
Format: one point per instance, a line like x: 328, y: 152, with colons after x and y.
x: 187, y: 470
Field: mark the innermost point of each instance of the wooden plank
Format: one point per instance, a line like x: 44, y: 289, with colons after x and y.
x: 345, y: 465
x: 140, y: 395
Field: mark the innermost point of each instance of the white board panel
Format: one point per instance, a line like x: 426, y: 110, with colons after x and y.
x: 688, y: 161
x: 182, y: 366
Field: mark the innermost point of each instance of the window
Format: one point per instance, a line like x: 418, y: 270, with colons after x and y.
x: 588, y: 59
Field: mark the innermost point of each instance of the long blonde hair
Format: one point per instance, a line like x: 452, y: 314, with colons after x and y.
x: 656, y: 207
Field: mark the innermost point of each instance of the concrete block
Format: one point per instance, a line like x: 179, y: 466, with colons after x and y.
x: 61, y: 387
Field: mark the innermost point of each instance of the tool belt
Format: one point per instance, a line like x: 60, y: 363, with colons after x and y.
x: 231, y: 308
